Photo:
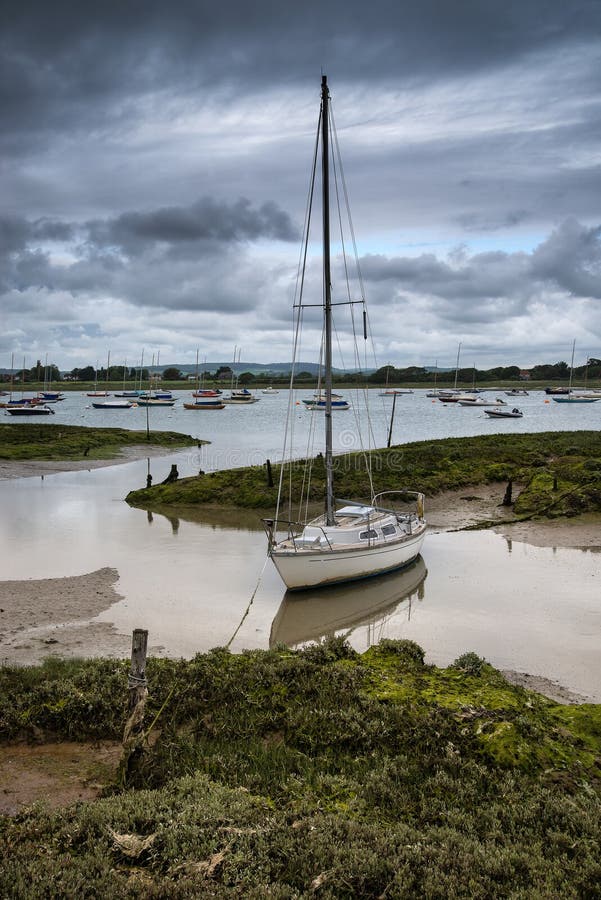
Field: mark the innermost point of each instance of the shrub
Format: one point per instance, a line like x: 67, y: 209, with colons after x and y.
x: 470, y: 663
x: 409, y: 651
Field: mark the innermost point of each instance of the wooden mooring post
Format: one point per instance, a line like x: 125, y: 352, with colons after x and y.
x: 269, y: 474
x: 138, y: 688
x: 391, y: 420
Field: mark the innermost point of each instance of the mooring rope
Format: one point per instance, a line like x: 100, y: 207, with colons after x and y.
x: 250, y: 603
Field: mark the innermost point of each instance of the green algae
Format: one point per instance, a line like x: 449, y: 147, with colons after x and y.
x: 289, y: 773
x: 65, y: 442
x: 560, y: 474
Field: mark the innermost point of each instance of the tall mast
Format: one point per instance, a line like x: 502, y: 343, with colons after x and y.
x: 325, y: 182
x: 572, y: 365
x: 457, y: 365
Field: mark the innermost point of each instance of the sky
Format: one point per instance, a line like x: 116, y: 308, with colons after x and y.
x: 155, y: 161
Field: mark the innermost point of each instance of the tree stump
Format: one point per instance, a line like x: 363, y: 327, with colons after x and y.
x: 508, y: 490
x: 172, y: 476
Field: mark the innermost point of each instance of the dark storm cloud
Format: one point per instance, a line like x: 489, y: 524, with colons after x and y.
x: 571, y: 258
x: 66, y: 65
x: 22, y: 262
x: 17, y: 231
x: 199, y: 240
x: 182, y: 228
x: 174, y: 257
x: 568, y: 261
x: 475, y: 121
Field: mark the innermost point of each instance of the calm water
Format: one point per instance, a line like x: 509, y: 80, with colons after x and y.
x: 190, y: 582
x: 248, y: 435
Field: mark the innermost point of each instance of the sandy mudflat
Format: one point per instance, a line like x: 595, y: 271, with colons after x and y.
x: 54, y: 617
x: 51, y: 617
x: 455, y: 510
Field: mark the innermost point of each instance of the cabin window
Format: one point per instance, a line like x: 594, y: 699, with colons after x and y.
x: 388, y: 529
x: 366, y: 535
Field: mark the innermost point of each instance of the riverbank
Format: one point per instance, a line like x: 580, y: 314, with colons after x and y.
x: 39, y: 468
x: 30, y: 449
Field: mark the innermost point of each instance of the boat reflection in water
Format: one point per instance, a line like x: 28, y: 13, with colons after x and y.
x: 313, y: 614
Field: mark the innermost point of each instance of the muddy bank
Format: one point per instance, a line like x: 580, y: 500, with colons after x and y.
x: 29, y: 468
x: 54, y: 617
x: 55, y: 774
x: 453, y: 510
x: 544, y: 686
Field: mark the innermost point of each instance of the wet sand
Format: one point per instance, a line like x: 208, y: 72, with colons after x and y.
x: 52, y: 617
x: 29, y: 468
x: 55, y: 617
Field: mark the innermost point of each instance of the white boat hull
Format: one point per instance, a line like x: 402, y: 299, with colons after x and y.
x: 325, y: 611
x: 305, y: 568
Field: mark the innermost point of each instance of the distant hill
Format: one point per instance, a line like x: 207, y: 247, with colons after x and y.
x: 253, y: 367
x: 238, y: 367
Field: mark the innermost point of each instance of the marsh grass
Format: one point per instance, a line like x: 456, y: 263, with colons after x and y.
x: 62, y: 442
x: 316, y: 772
x: 561, y: 474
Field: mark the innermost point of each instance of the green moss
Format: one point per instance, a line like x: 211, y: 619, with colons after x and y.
x: 560, y: 472
x: 289, y: 773
x: 31, y: 441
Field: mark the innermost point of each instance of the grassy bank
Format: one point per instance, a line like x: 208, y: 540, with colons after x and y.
x: 63, y: 442
x: 560, y: 473
x: 318, y: 772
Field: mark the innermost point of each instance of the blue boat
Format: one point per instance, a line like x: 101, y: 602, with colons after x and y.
x: 320, y: 403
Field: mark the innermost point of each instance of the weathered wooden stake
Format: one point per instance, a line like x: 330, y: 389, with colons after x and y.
x: 269, y: 474
x: 138, y: 686
x: 507, y: 497
x: 391, y: 420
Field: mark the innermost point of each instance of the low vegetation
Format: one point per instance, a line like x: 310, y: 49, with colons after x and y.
x: 559, y: 474
x: 318, y: 772
x: 31, y: 441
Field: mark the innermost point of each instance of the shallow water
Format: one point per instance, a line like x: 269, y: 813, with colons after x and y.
x: 242, y: 436
x: 532, y: 609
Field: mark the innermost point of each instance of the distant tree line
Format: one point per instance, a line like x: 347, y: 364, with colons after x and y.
x: 115, y: 373
x: 392, y: 375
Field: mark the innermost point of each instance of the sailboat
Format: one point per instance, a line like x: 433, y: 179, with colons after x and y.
x: 204, y: 400
x: 391, y: 392
x: 96, y: 392
x: 239, y: 396
x: 572, y: 397
x: 351, y: 540
x: 47, y: 395
x: 115, y: 403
